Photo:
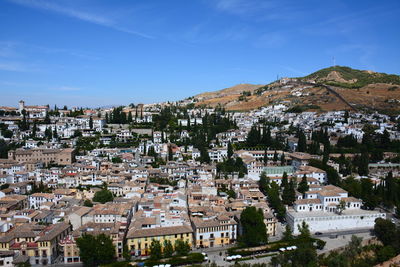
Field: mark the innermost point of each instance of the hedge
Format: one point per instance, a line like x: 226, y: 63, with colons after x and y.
x: 174, y: 261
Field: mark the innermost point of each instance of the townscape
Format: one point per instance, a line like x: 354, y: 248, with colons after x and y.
x: 177, y: 183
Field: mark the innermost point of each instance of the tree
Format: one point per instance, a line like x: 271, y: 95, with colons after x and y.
x: 254, y: 230
x: 48, y: 133
x: 182, y: 248
x: 353, y: 249
x: 283, y: 160
x: 7, y: 133
x: 170, y: 153
x: 230, y: 150
x: 103, y: 196
x: 287, y: 235
x: 266, y: 137
x: 398, y: 210
x: 275, y: 201
x: 265, y: 158
x: 304, y: 231
x: 55, y: 134
x: 168, y: 249
x: 288, y: 192
x: 254, y: 137
x: 292, y: 191
x: 302, y: 142
x: 126, y: 253
x: 363, y: 164
x: 130, y: 119
x: 88, y: 203
x: 263, y: 182
x: 327, y: 149
x: 95, y: 250
x: 304, y: 255
x: 275, y: 156
x: 155, y: 250
x: 116, y: 160
x: 204, y: 157
x: 285, y: 181
x: 386, y: 232
x: 386, y: 253
x: 341, y: 207
x: 303, y: 185
x: 46, y: 119
x: 91, y: 122
x: 34, y: 129
x: 391, y: 189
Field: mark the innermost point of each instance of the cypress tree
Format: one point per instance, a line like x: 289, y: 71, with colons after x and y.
x: 283, y: 160
x: 230, y: 150
x: 303, y: 185
x: 302, y: 143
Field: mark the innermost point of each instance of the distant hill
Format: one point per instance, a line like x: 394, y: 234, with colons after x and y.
x: 333, y: 88
x: 351, y: 78
x: 237, y: 89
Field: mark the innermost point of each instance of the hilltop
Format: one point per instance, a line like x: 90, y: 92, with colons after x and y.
x: 351, y: 78
x: 334, y: 88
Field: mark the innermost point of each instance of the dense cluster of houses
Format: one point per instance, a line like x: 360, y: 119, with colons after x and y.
x: 39, y: 226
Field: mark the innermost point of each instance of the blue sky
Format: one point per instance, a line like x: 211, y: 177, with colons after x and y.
x: 102, y: 52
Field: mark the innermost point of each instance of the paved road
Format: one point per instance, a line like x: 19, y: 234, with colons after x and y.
x: 346, y: 232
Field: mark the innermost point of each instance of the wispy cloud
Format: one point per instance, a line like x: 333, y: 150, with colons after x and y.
x: 78, y: 14
x: 17, y: 66
x: 261, y: 10
x: 16, y: 49
x: 7, y: 49
x: 243, y: 7
x: 21, y: 84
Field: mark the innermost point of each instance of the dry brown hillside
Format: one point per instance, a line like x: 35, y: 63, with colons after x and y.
x: 237, y: 89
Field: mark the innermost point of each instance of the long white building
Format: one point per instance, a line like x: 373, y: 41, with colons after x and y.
x: 320, y: 210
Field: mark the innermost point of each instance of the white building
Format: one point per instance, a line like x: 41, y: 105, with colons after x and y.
x: 320, y: 209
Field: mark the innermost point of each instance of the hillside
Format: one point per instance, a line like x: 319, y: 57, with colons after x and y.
x: 237, y: 89
x: 351, y: 78
x: 334, y: 88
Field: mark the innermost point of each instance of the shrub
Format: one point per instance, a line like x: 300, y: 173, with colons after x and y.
x: 320, y: 244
